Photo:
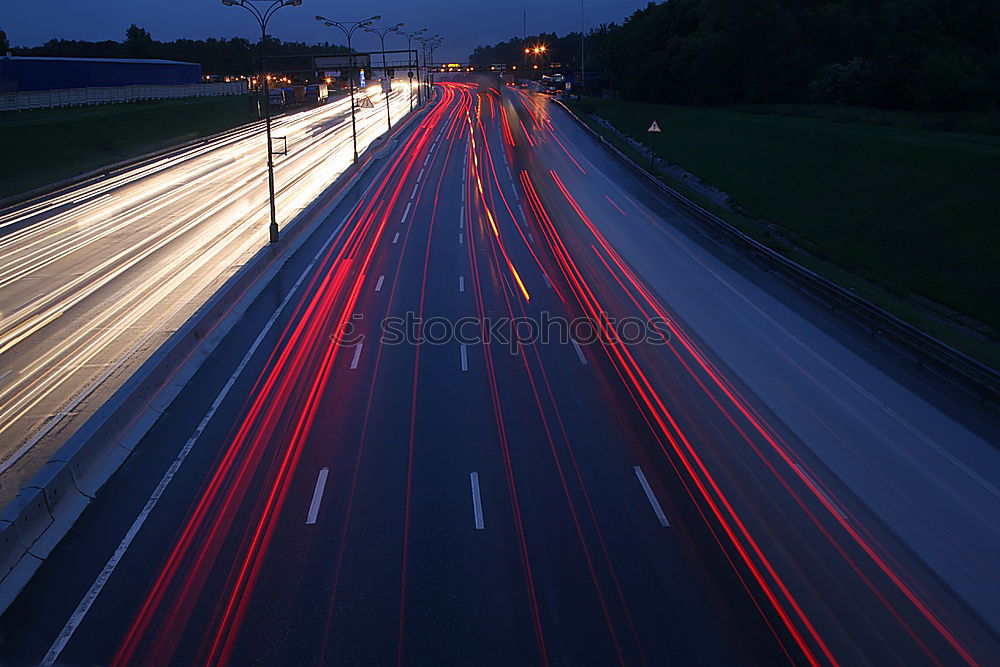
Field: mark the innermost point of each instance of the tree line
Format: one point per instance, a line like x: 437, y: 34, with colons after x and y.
x: 938, y: 55
x: 235, y: 56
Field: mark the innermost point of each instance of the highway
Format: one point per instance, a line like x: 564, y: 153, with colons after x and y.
x: 388, y: 462
x: 93, y: 279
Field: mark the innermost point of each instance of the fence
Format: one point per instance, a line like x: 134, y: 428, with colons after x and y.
x: 68, y: 97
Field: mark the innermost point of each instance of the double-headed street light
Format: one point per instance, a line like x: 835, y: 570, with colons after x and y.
x: 387, y: 81
x: 534, y: 52
x: 430, y: 43
x: 410, y: 36
x: 349, y: 28
x: 263, y: 16
x: 436, y: 42
x: 424, y: 41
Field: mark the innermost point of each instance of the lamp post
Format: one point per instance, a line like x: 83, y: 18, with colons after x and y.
x: 349, y: 28
x: 263, y: 16
x: 430, y: 44
x: 385, y: 70
x: 410, y: 36
x: 434, y: 44
x: 535, y: 52
x: 425, y: 44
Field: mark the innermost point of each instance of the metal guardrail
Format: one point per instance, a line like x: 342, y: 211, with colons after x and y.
x: 970, y: 374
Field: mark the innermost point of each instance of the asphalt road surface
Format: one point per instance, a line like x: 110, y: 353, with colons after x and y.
x: 694, y: 465
x: 94, y: 279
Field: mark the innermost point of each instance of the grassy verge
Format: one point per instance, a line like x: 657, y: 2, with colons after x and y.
x: 980, y: 122
x: 887, y: 212
x: 48, y: 145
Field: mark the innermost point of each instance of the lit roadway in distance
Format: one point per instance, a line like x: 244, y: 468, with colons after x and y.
x: 94, y: 279
x: 764, y: 488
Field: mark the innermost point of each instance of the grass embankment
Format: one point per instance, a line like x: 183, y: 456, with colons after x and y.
x: 48, y: 145
x: 893, y: 213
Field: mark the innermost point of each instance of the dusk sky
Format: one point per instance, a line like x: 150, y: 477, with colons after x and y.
x: 464, y: 25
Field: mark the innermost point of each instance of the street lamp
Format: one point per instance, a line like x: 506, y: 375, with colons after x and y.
x: 410, y: 36
x: 263, y: 16
x: 534, y: 52
x: 385, y: 70
x: 349, y: 28
x: 430, y: 44
x: 426, y: 42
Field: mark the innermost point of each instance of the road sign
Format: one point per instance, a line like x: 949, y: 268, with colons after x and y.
x: 655, y: 127
x: 361, y: 76
x: 386, y: 85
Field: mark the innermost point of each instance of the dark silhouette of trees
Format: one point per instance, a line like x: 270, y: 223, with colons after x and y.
x: 138, y: 42
x: 235, y: 56
x: 897, y: 54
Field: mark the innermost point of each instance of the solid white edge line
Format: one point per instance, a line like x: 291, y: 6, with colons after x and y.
x: 73, y: 622
x: 378, y: 285
x: 357, y: 355
x: 477, y: 502
x: 660, y: 516
x: 465, y: 358
x: 579, y: 352
x: 317, y: 496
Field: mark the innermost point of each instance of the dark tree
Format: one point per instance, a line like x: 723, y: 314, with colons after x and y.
x: 897, y: 54
x: 234, y: 56
x: 138, y: 42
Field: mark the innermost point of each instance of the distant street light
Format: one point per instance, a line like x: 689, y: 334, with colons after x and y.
x: 349, y: 28
x: 410, y: 36
x: 431, y: 43
x: 263, y: 16
x: 534, y: 52
x: 428, y: 44
x: 385, y: 69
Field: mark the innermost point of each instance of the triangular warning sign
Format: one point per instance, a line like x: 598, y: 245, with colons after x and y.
x: 364, y: 103
x: 655, y: 127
